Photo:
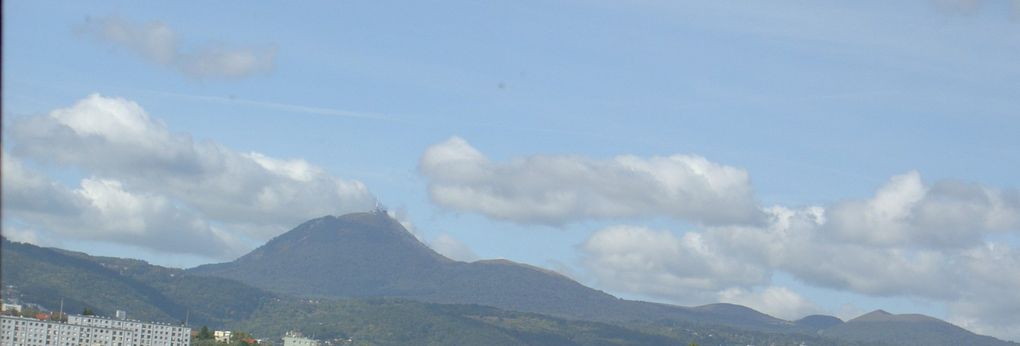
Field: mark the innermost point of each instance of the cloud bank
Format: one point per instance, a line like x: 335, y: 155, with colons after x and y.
x: 156, y: 189
x: 158, y: 43
x: 555, y: 190
x: 911, y: 239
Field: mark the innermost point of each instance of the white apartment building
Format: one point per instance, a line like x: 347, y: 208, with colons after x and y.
x: 9, y: 307
x: 222, y: 336
x: 295, y: 339
x: 90, y: 330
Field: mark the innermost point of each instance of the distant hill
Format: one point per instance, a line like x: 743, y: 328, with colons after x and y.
x: 372, y: 255
x: 908, y: 330
x: 45, y: 276
x: 818, y: 322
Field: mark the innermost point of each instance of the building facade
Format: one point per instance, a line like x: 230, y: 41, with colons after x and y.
x: 11, y: 307
x: 296, y: 339
x: 222, y: 336
x: 90, y: 330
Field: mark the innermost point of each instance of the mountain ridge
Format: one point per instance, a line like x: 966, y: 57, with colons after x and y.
x: 499, y: 283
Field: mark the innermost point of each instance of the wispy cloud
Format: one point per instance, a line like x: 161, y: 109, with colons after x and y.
x: 286, y: 107
x: 158, y: 43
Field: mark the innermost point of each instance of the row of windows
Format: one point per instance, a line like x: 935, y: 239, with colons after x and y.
x: 32, y: 332
x: 30, y: 341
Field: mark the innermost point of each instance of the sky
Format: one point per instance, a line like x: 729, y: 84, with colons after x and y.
x: 795, y: 157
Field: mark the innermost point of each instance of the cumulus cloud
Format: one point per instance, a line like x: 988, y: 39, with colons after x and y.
x: 148, y: 184
x: 159, y: 44
x: 100, y: 209
x: 560, y: 189
x: 911, y: 239
x: 661, y: 264
x: 946, y: 214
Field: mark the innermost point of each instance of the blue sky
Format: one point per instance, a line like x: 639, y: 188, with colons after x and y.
x: 595, y: 138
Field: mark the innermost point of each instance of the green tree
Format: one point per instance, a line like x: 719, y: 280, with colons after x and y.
x: 57, y: 316
x: 204, y: 333
x: 87, y: 312
x: 29, y: 311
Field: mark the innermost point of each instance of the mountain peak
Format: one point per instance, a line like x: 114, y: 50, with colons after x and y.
x: 376, y: 227
x: 370, y: 249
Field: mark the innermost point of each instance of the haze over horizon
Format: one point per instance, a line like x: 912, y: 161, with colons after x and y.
x: 794, y: 158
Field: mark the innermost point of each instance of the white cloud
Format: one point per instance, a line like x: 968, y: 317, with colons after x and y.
x: 561, y: 189
x: 910, y: 240
x: 452, y: 248
x: 797, y: 241
x: 684, y: 269
x: 23, y: 235
x: 992, y: 303
x: 30, y: 192
x: 773, y: 300
x: 401, y: 216
x: 100, y: 209
x: 148, y: 183
x: 158, y: 43
x: 946, y: 214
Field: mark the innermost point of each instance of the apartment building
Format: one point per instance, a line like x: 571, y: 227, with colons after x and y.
x: 90, y: 330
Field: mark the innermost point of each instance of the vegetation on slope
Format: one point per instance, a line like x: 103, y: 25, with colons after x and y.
x: 46, y: 276
x: 388, y: 321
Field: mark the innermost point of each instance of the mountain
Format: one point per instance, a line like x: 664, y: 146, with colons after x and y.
x: 908, y: 330
x: 372, y: 255
x: 46, y: 276
x: 818, y: 322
